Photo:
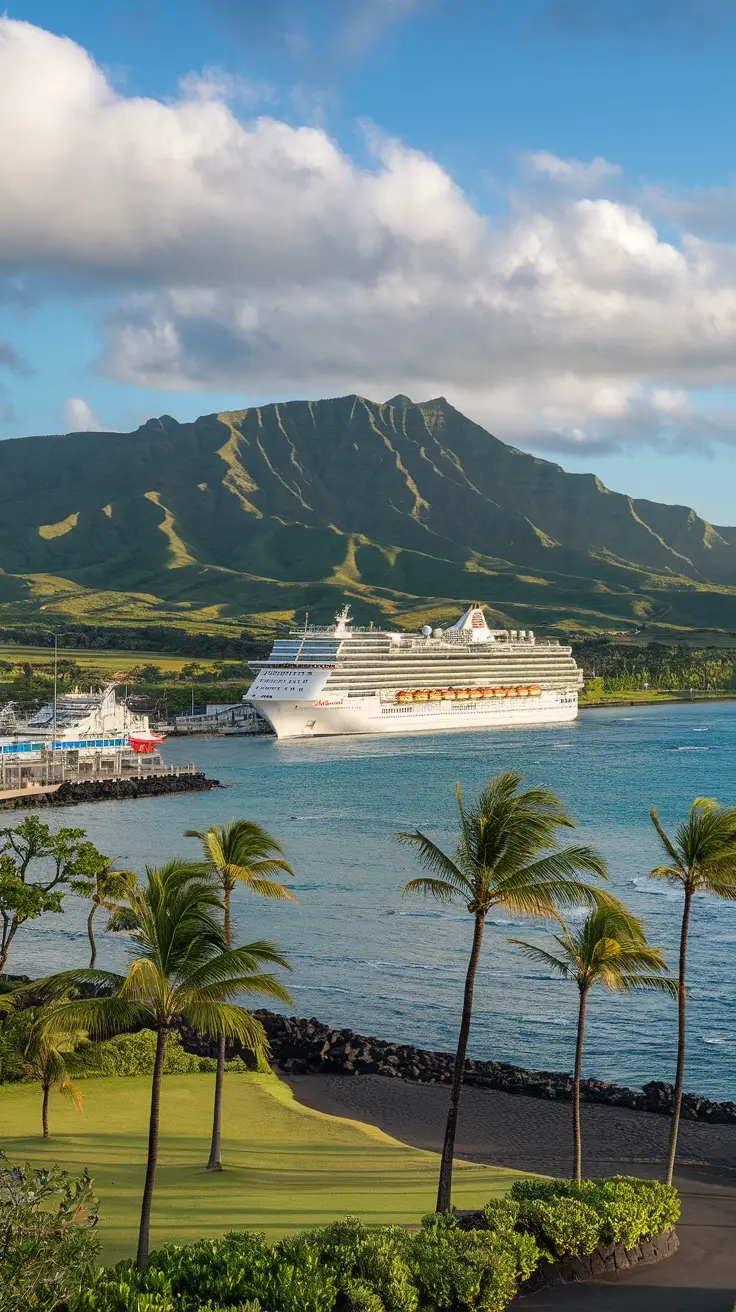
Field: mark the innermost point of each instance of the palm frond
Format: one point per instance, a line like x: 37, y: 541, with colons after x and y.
x: 216, y: 993
x: 60, y: 985
x: 566, y: 863
x: 664, y: 839
x: 562, y: 966
x: 270, y: 888
x: 543, y: 899
x: 439, y: 889
x: 234, y: 964
x: 226, y: 1020
x: 69, y: 1089
x: 438, y: 863
x: 98, y: 1017
x: 671, y: 874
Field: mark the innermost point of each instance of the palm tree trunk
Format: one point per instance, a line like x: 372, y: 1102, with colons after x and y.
x: 215, y: 1160
x: 577, y: 1169
x: 680, y: 1072
x: 91, y: 937
x: 45, y: 1111
x: 145, y: 1226
x: 444, y: 1192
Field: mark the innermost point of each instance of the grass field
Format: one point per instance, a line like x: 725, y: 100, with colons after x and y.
x: 288, y: 1167
x: 100, y: 660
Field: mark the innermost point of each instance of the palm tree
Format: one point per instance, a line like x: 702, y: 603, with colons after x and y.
x: 507, y: 855
x: 238, y: 852
x: 701, y: 859
x: 180, y: 965
x: 111, y: 887
x: 49, y: 1062
x: 610, y: 949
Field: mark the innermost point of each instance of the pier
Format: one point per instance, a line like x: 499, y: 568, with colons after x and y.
x: 63, y: 779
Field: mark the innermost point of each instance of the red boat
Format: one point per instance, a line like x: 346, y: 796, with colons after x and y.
x: 146, y: 741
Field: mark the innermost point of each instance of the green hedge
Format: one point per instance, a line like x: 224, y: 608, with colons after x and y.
x: 622, y: 1210
x: 346, y: 1267
x: 133, y: 1054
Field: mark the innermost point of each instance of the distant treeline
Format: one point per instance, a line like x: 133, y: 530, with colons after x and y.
x: 625, y: 668
x: 154, y: 638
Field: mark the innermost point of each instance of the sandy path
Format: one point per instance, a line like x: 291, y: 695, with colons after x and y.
x: 533, y: 1134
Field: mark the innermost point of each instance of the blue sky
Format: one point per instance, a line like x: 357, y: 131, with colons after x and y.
x: 528, y: 206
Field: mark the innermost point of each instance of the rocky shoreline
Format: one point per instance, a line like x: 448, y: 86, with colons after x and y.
x: 303, y: 1047
x: 112, y: 790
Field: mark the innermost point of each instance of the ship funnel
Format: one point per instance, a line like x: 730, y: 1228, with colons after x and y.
x: 473, y: 622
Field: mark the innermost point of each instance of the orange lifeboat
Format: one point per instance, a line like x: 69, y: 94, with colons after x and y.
x: 403, y: 696
x: 512, y: 692
x: 522, y: 692
x: 448, y: 694
x: 499, y: 692
x: 421, y: 695
x: 435, y: 695
x: 535, y: 690
x: 476, y: 694
x: 462, y: 694
x: 487, y: 692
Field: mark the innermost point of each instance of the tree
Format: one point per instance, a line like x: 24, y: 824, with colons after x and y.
x: 69, y: 860
x: 701, y: 859
x: 238, y: 852
x: 50, y: 1063
x: 180, y: 965
x: 610, y: 949
x: 507, y: 855
x: 108, y: 890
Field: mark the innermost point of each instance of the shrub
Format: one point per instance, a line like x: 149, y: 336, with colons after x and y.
x: 370, y: 1267
x: 634, y: 1209
x: 232, y: 1272
x: 133, y: 1054
x: 628, y: 1209
x: 565, y: 1227
x: 455, y: 1269
x: 48, y: 1248
x: 347, y: 1267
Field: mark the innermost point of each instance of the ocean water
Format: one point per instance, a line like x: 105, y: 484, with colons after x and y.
x: 364, y: 956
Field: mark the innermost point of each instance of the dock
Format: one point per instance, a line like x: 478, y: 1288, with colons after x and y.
x: 63, y: 779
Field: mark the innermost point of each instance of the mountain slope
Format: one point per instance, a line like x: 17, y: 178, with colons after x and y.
x: 408, y: 509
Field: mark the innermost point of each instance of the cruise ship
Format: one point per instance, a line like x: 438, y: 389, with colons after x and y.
x: 347, y: 680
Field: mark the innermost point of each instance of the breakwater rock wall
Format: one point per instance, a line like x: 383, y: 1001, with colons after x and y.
x: 302, y: 1047
x: 108, y: 790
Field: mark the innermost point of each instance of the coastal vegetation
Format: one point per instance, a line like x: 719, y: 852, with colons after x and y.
x: 89, y: 1027
x: 609, y: 949
x: 238, y: 853
x: 49, y: 1247
x: 347, y: 1266
x: 110, y: 890
x: 64, y: 861
x: 164, y: 685
x: 701, y: 858
x: 252, y: 525
x: 287, y: 1167
x: 181, y: 964
x: 507, y: 855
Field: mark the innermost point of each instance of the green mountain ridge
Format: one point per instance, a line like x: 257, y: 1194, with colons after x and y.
x: 256, y: 516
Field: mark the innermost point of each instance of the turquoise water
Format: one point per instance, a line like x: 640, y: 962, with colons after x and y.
x: 364, y: 957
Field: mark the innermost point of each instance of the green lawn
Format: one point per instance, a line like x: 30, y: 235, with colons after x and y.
x: 288, y: 1167
x: 103, y: 660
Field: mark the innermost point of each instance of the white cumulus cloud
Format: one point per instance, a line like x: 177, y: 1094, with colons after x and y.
x: 255, y: 255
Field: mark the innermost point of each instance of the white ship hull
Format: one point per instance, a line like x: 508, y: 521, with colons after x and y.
x: 362, y: 715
